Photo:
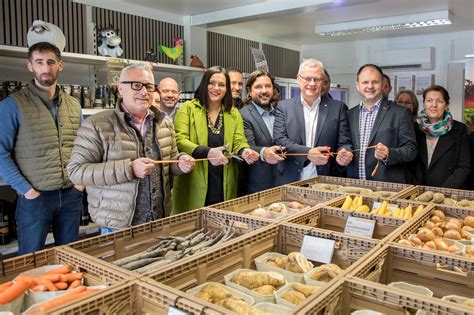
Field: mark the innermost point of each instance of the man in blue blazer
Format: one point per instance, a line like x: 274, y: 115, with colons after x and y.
x: 258, y: 116
x: 383, y: 124
x: 311, y: 125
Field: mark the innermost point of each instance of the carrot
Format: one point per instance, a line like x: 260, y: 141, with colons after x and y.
x: 68, y: 297
x: 14, y: 291
x: 40, y: 288
x: 74, y: 284
x: 51, y: 277
x: 69, y: 277
x: 49, y: 285
x: 61, y: 270
x: 61, y: 285
x: 375, y: 168
x: 5, y: 286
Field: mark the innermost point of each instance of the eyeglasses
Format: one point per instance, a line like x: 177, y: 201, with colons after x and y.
x: 310, y: 79
x: 138, y: 86
x: 218, y: 84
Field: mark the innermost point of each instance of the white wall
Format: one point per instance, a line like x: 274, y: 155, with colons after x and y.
x: 343, y: 59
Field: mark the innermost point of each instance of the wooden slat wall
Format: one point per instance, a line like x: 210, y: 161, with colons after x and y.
x: 228, y: 51
x: 18, y: 15
x: 282, y: 62
x: 139, y: 34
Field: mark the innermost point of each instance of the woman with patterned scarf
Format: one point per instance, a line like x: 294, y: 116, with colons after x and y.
x: 444, y: 157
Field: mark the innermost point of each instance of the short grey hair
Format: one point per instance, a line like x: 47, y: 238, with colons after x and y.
x: 310, y: 63
x: 138, y: 66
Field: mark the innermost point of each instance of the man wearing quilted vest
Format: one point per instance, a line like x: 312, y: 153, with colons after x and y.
x: 117, y: 156
x: 39, y: 127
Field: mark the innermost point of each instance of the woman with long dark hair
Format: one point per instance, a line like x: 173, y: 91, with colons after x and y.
x: 207, y: 127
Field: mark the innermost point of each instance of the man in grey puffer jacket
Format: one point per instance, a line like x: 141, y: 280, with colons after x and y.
x: 116, y: 152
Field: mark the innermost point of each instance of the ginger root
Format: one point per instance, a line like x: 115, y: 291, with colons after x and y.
x: 255, y: 279
x: 425, y: 197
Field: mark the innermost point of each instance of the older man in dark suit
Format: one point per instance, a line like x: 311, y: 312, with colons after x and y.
x: 380, y: 123
x: 258, y: 116
x: 311, y: 125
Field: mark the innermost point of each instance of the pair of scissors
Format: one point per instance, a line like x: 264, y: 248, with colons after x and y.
x: 232, y: 155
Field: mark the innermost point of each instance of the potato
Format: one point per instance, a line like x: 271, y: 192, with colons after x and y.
x: 463, y: 203
x: 425, y: 197
x: 438, y: 198
x: 449, y: 202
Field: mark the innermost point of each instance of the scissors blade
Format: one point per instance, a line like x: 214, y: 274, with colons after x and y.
x: 232, y: 155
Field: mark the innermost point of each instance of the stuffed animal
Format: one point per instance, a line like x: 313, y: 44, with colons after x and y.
x: 196, y: 62
x: 173, y: 52
x: 41, y: 31
x: 109, y: 42
x: 151, y: 56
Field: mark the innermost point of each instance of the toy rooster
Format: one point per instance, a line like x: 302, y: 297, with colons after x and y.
x: 196, y: 62
x: 174, y: 52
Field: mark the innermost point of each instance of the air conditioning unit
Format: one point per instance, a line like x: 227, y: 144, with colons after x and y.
x: 401, y: 59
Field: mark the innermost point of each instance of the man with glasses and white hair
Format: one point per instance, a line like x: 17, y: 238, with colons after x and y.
x: 312, y: 125
x: 116, y: 152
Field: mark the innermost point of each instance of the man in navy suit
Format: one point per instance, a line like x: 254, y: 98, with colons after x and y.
x: 381, y: 123
x: 311, y: 125
x: 258, y: 116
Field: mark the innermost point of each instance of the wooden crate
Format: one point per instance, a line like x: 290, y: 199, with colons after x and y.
x: 443, y: 274
x: 95, y: 269
x: 330, y: 216
x: 456, y: 194
x: 240, y: 253
x: 353, y: 294
x: 418, y: 222
x: 361, y: 183
x: 264, y: 198
x: 123, y: 243
x: 138, y: 297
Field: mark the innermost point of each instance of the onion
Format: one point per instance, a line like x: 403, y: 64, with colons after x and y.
x: 470, y: 250
x: 439, y: 214
x: 469, y: 221
x: 453, y: 249
x: 437, y: 231
x: 429, y: 245
x: 467, y: 228
x: 425, y: 235
x: 436, y: 219
x: 295, y: 205
x: 441, y: 244
x: 452, y: 234
x: 416, y: 241
x: 455, y: 221
x: 451, y: 225
x: 441, y: 225
x: 430, y: 225
x: 405, y: 242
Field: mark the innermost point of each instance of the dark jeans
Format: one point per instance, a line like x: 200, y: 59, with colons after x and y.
x: 59, y: 208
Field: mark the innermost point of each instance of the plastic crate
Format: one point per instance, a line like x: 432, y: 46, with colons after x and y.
x: 419, y: 221
x: 353, y: 294
x: 264, y: 198
x: 443, y: 274
x: 361, y: 183
x: 94, y: 268
x: 456, y: 194
x: 330, y: 216
x: 138, y: 297
x: 113, y: 246
x: 241, y: 253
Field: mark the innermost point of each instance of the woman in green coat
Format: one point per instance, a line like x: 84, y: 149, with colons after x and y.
x: 204, y: 127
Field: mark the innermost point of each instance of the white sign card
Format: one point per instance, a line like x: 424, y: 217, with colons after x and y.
x: 318, y: 249
x: 173, y: 310
x: 359, y: 227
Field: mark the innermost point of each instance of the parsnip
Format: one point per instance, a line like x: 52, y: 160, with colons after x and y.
x: 255, y: 279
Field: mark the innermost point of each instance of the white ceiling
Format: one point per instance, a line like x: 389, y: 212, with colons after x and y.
x: 293, y: 21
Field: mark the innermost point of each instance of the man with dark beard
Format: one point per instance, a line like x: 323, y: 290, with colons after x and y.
x: 258, y: 118
x: 39, y: 127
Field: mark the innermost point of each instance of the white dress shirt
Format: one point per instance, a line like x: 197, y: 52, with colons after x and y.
x: 310, y: 124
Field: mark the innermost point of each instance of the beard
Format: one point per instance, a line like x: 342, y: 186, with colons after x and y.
x: 51, y: 80
x: 257, y: 101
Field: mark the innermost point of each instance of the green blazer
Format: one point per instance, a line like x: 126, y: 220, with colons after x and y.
x: 190, y: 123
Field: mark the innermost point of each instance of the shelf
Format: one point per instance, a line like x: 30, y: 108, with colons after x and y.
x: 92, y: 111
x: 22, y: 52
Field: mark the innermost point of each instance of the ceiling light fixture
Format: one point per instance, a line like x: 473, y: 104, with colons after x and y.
x: 385, y: 24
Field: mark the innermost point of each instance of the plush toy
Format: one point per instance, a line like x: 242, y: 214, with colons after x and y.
x: 173, y: 52
x: 109, y: 42
x: 151, y: 56
x: 41, y: 31
x: 196, y: 61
